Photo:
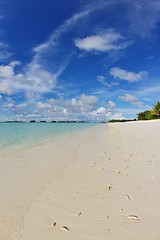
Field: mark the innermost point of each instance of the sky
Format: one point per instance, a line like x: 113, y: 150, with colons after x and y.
x: 91, y: 60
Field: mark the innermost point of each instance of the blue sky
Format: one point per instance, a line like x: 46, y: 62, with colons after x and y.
x: 79, y: 60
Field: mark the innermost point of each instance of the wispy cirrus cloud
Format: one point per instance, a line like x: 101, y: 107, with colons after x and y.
x: 144, y: 16
x: 40, y: 75
x: 49, y: 56
x: 5, y: 53
x: 104, y: 82
x: 67, y: 26
x: 150, y: 91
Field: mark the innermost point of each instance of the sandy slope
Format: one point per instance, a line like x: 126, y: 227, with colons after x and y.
x: 102, y: 183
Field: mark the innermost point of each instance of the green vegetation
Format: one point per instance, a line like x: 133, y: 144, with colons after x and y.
x: 150, y: 114
x: 146, y: 115
x: 122, y: 120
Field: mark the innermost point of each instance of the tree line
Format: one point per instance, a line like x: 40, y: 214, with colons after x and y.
x: 150, y: 114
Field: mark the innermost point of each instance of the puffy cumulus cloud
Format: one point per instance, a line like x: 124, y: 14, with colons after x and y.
x: 84, y: 104
x: 39, y: 79
x: 111, y: 104
x: 34, y: 81
x: 101, y: 110
x: 117, y: 116
x: 10, y: 82
x: 85, y: 107
x: 128, y: 76
x: 131, y: 99
x: 100, y: 114
x: 108, y: 113
x: 88, y: 100
x: 101, y: 42
x: 6, y: 71
x: 6, y: 87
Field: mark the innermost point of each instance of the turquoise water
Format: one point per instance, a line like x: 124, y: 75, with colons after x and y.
x: 15, y: 136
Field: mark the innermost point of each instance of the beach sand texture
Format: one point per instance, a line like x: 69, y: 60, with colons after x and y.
x: 100, y: 183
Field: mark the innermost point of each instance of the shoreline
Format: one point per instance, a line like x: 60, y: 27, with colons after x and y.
x: 25, y: 139
x: 100, y: 183
x: 25, y: 173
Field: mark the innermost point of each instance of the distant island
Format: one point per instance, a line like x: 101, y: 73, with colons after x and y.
x: 154, y: 113
x: 121, y: 120
x: 53, y: 121
x: 59, y: 121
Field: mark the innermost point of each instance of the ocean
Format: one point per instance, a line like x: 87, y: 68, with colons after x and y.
x: 15, y: 136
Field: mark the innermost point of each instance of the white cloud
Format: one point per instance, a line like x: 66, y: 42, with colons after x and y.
x: 15, y: 63
x: 101, y: 110
x: 6, y: 87
x: 46, y: 54
x: 53, y: 39
x: 88, y: 100
x: 104, y: 41
x: 101, y: 42
x: 6, y: 71
x: 38, y: 79
x: 143, y: 16
x: 5, y: 54
x: 85, y: 103
x: 84, y: 107
x: 150, y: 91
x: 117, y: 116
x: 128, y: 76
x: 68, y: 24
x: 132, y: 99
x: 111, y: 104
x: 34, y: 81
x: 102, y: 80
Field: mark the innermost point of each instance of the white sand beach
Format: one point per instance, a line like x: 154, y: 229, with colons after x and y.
x: 100, y: 183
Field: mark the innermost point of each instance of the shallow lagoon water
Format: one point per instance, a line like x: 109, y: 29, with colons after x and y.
x: 15, y: 136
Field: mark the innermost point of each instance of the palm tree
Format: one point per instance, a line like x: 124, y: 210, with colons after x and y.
x: 152, y: 114
x: 142, y: 115
x: 156, y: 108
